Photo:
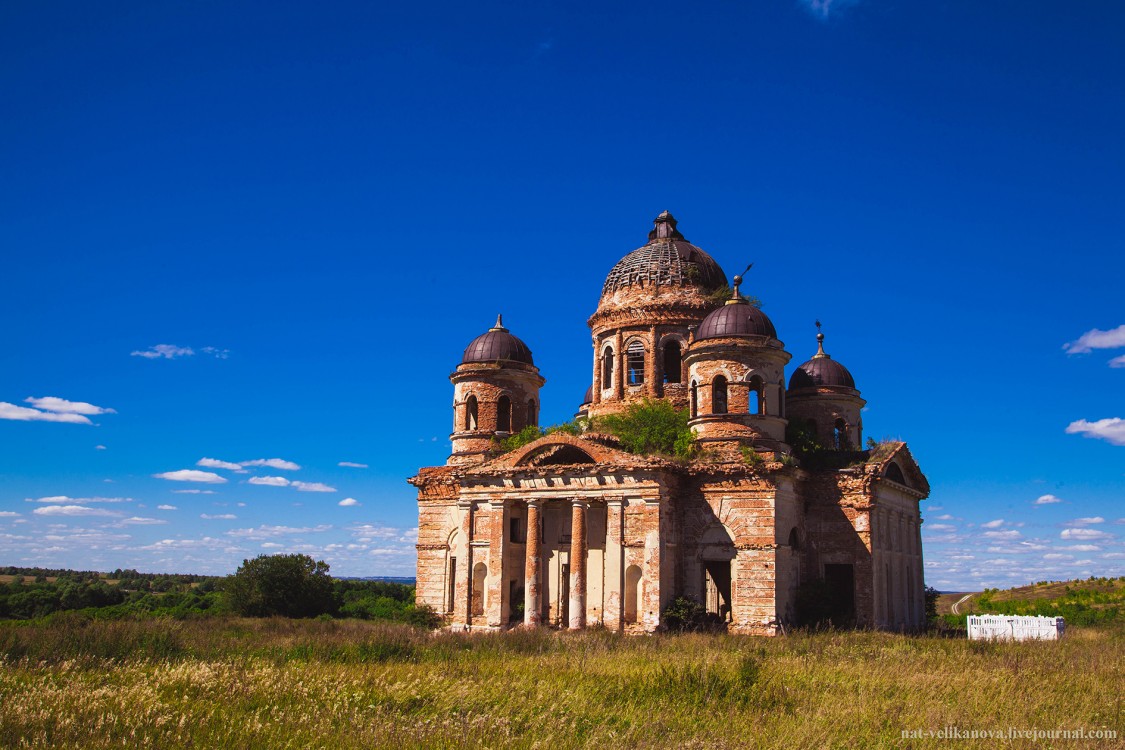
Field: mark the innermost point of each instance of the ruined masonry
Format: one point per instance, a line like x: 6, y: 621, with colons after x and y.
x: 572, y: 532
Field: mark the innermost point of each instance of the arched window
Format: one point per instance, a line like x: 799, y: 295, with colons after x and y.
x: 532, y: 415
x: 894, y: 473
x: 635, y: 363
x: 632, y: 592
x: 781, y: 398
x: 840, y: 435
x: 794, y: 540
x: 607, y: 369
x: 755, y: 397
x: 672, y: 362
x: 719, y: 395
x: 480, y: 572
x: 471, y: 413
x: 694, y: 399
x: 504, y: 414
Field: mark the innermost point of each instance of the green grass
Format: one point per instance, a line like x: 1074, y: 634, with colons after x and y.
x: 71, y: 682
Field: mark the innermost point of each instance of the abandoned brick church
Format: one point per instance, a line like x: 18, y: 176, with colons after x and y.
x: 573, y: 531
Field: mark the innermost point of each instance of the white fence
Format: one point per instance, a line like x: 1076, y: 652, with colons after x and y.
x: 1015, y: 628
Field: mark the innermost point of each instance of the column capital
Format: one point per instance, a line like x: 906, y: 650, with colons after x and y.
x: 579, y: 502
x: 615, y: 502
x: 534, y: 502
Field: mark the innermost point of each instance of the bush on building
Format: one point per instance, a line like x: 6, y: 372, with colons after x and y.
x: 685, y: 615
x: 649, y: 427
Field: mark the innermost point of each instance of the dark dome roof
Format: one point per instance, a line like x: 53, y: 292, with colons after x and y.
x: 589, y: 397
x: 497, y: 344
x: 819, y: 371
x: 739, y: 319
x: 667, y: 260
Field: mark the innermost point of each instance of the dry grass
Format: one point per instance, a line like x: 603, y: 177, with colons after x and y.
x: 280, y: 684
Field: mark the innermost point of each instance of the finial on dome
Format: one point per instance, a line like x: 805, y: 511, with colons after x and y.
x: 664, y: 227
x: 499, y: 323
x: 736, y: 298
x: 820, y: 344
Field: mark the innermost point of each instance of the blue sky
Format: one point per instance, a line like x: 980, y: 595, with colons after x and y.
x: 264, y: 232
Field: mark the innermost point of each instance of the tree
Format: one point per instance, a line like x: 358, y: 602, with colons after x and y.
x: 287, y: 585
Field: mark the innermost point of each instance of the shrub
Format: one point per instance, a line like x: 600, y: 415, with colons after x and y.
x: 650, y: 427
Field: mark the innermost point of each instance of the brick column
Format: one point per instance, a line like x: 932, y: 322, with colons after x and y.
x: 618, y: 367
x: 578, y: 564
x: 495, y: 612
x: 597, y: 391
x: 652, y: 388
x: 462, y: 587
x: 532, y: 603
x: 613, y: 614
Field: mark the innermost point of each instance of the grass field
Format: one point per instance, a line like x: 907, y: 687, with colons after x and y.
x: 351, y: 684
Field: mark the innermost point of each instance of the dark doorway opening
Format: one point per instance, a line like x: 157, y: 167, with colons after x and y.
x: 717, y: 586
x: 840, y: 581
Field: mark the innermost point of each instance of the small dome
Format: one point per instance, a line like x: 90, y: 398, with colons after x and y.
x: 821, y: 370
x: 497, y: 344
x: 739, y: 319
x: 589, y: 397
x: 667, y: 260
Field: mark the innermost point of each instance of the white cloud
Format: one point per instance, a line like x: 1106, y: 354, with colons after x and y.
x: 191, y: 475
x: 1084, y: 534
x: 8, y: 514
x: 138, y: 521
x: 1084, y: 547
x: 270, y: 481
x: 99, y: 447
x: 273, y: 463
x: 64, y: 500
x: 1048, y: 500
x: 993, y: 524
x: 352, y: 465
x: 217, y: 517
x: 271, y: 545
x: 214, y: 463
x: 193, y: 492
x: 166, y: 507
x: 266, y: 531
x: 74, y: 510
x: 1111, y: 430
x: 1057, y: 556
x: 939, y: 527
x: 823, y: 9
x: 312, y: 487
x: 167, y: 351
x: 1088, y: 521
x: 23, y: 414
x: 1013, y: 534
x: 1117, y: 362
x: 349, y: 502
x: 216, y: 352
x: 62, y: 406
x: 1097, y: 339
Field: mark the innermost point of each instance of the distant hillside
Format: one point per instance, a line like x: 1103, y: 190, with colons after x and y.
x: 1085, y: 602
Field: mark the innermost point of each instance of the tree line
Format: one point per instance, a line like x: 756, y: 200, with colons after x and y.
x: 269, y: 585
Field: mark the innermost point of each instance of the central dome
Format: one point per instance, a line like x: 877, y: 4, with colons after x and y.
x: 667, y: 260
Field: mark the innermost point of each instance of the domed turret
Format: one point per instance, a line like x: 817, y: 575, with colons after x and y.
x: 495, y: 393
x: 736, y: 378
x: 824, y: 402
x: 497, y: 344
x: 649, y: 301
